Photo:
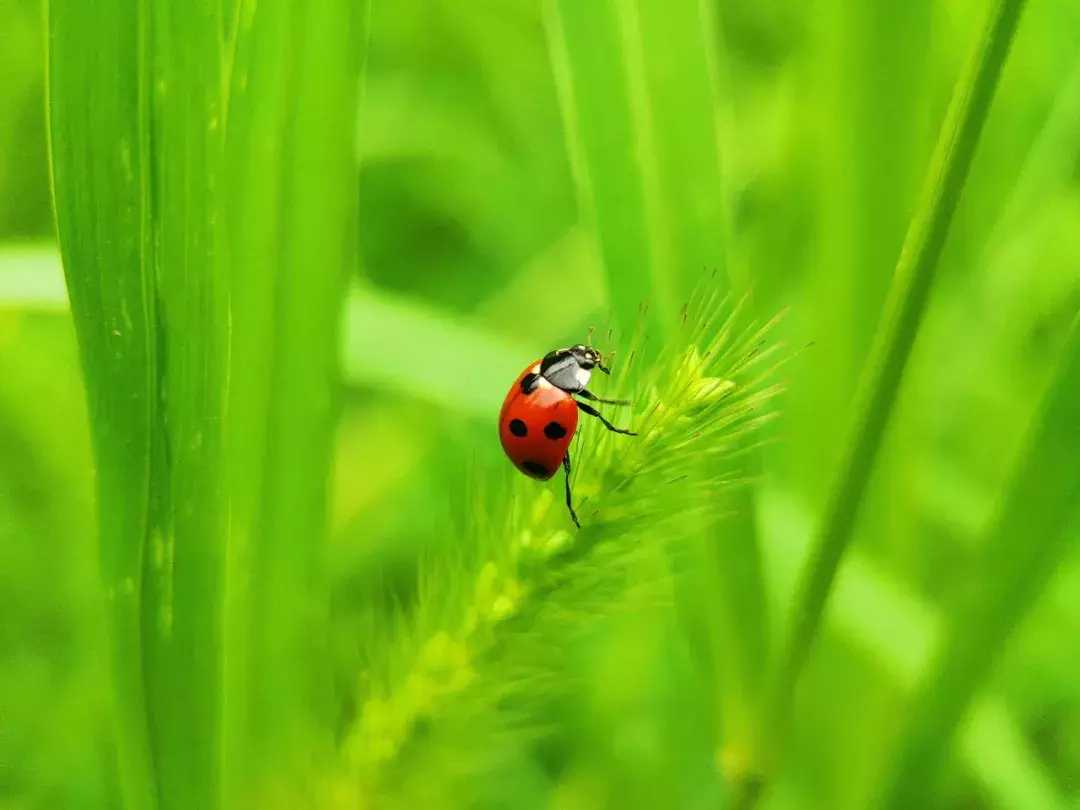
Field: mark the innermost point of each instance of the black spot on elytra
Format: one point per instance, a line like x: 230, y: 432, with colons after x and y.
x: 553, y: 430
x: 528, y: 383
x: 536, y: 469
x: 518, y: 428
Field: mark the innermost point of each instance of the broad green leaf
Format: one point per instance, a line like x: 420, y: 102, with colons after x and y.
x: 205, y: 188
x: 99, y: 124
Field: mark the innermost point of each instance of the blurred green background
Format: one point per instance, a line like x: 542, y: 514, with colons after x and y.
x: 474, y: 243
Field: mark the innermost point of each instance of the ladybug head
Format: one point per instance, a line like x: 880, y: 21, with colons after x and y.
x: 589, y: 358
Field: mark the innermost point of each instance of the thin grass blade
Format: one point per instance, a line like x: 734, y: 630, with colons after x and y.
x: 906, y: 304
x: 636, y: 84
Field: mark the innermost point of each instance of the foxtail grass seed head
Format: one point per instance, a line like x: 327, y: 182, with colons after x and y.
x: 535, y: 578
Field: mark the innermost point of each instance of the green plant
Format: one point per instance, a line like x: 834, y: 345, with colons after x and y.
x: 1025, y: 544
x: 885, y: 367
x: 478, y: 646
x: 204, y: 199
x: 644, y: 144
x: 527, y: 171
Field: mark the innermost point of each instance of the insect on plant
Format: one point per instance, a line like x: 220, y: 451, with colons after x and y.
x: 540, y: 413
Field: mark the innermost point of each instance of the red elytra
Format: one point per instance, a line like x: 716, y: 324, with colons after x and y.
x: 540, y: 414
x: 536, y: 427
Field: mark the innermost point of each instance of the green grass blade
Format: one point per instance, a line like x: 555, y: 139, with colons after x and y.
x: 675, y: 82
x: 741, y: 611
x: 97, y: 120
x: 167, y: 160
x: 906, y: 304
x: 604, y: 141
x: 870, y: 120
x: 1027, y: 541
x: 292, y: 193
x: 638, y: 114
x: 206, y: 260
x: 183, y: 567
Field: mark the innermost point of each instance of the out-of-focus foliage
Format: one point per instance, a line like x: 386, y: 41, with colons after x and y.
x: 478, y: 253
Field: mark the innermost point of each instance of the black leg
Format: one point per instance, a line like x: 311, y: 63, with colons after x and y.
x: 591, y: 411
x: 569, y: 499
x: 584, y: 392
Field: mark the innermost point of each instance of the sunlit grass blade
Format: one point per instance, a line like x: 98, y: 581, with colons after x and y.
x: 671, y: 59
x: 291, y: 183
x: 156, y: 422
x: 888, y: 357
x: 638, y: 114
x: 609, y: 153
x: 206, y: 255
x: 1028, y: 539
x: 184, y: 562
x: 100, y: 127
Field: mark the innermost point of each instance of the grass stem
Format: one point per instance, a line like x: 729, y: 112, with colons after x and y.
x: 905, y: 307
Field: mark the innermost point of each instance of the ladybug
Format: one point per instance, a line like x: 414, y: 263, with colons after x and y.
x: 540, y: 413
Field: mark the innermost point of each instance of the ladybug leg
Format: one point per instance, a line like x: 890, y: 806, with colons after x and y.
x: 569, y: 498
x: 589, y: 395
x: 591, y: 411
